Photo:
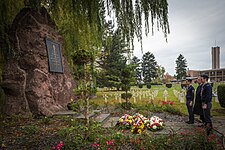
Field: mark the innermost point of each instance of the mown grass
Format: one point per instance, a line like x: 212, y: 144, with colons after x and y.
x: 217, y: 110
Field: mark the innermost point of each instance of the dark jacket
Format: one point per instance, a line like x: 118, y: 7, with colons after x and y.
x: 206, y: 93
x: 198, y: 102
x: 190, y: 93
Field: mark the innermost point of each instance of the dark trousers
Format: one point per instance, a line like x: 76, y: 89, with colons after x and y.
x: 207, y: 114
x: 202, y: 118
x: 190, y: 111
x: 207, y: 117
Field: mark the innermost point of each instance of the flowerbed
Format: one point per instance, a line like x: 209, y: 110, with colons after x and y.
x: 138, y: 123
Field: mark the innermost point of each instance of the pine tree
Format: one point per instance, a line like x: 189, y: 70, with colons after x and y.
x: 181, y: 63
x: 149, y: 67
x: 136, y: 65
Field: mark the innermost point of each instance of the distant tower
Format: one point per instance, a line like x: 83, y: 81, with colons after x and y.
x: 215, y: 57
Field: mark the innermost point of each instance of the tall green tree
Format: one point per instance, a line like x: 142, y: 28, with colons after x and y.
x: 114, y: 60
x: 82, y: 22
x: 181, y: 67
x: 149, y: 67
x: 136, y: 65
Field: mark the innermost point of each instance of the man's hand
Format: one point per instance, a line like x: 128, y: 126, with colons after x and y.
x: 191, y: 103
x: 204, y: 106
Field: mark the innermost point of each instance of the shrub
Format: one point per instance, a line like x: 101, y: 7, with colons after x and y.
x: 156, y: 83
x: 148, y: 86
x: 140, y: 85
x: 168, y: 85
x: 221, y: 94
x: 125, y: 88
x: 126, y: 95
x: 127, y: 105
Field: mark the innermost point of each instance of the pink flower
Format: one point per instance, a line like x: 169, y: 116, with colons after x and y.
x: 110, y: 142
x: 95, y: 145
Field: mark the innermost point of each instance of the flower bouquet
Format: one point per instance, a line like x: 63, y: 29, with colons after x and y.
x: 155, y: 123
x: 137, y: 123
x: 126, y: 121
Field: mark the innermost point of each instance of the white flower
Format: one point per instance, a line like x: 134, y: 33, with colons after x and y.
x: 151, y: 122
x: 154, y: 127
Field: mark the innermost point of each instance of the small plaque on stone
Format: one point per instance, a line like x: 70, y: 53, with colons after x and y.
x: 54, y: 56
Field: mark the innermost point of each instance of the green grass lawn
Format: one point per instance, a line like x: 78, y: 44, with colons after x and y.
x: 217, y: 110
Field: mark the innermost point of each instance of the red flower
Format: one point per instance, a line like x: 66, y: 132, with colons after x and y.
x: 167, y: 103
x: 95, y: 145
x: 110, y: 143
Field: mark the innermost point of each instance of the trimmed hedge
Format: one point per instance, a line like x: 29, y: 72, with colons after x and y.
x: 221, y: 94
x: 155, y: 83
x: 168, y: 85
x: 140, y: 85
x: 124, y: 95
x: 148, y: 86
x: 125, y: 88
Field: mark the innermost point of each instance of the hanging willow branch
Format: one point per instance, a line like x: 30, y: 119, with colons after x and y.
x: 82, y: 22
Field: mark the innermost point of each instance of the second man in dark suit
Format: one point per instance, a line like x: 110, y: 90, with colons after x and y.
x: 190, y: 100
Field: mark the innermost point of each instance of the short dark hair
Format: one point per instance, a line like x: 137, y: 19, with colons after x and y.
x: 205, y: 76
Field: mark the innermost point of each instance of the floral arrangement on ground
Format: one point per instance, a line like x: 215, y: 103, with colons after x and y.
x: 137, y: 123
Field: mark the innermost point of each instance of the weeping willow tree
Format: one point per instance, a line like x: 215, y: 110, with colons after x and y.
x: 82, y: 23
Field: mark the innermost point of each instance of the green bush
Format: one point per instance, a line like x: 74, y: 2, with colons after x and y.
x: 221, y: 94
x: 127, y: 105
x: 156, y: 83
x: 140, y: 85
x: 168, y: 85
x: 125, y: 88
x: 148, y: 86
x: 126, y: 95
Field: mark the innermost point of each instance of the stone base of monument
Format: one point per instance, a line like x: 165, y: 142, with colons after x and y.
x: 101, y: 118
x: 65, y: 113
x: 111, y: 122
x: 91, y: 115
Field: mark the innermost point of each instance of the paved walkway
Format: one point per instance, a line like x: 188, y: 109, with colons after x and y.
x: 173, y: 123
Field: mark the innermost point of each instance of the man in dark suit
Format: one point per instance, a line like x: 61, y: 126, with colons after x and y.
x: 190, y: 100
x: 206, y: 97
x: 198, y: 102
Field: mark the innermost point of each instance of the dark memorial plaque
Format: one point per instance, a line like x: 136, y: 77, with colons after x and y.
x: 54, y: 56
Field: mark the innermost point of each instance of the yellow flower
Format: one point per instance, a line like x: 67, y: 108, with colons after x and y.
x: 130, y: 117
x: 139, y: 131
x: 131, y: 131
x: 121, y: 120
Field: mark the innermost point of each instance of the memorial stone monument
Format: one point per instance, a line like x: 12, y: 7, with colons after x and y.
x: 37, y: 79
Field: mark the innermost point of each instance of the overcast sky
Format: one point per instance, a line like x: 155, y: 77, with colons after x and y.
x: 195, y: 25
